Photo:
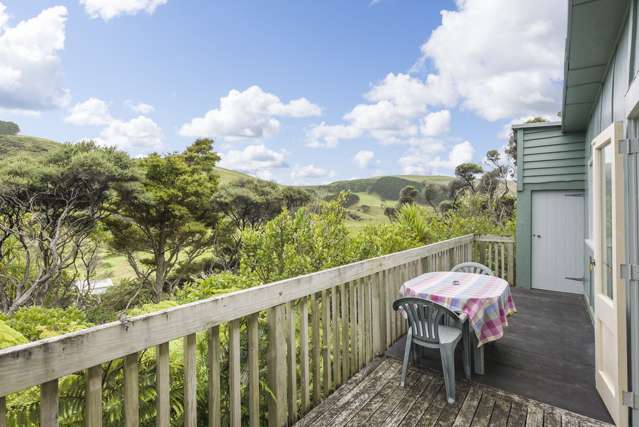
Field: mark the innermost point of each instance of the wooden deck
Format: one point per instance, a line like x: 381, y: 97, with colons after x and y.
x: 373, y: 398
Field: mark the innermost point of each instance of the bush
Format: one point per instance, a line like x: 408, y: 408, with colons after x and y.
x: 9, y: 128
x: 214, y: 285
x: 37, y: 322
x: 9, y: 336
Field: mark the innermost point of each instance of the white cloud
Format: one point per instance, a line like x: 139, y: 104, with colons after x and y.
x: 328, y: 136
x: 140, y: 107
x: 420, y: 160
x: 310, y: 171
x: 363, y: 158
x: 140, y: 135
x: 249, y: 114
x: 255, y: 159
x: 499, y: 58
x: 92, y: 112
x: 108, y: 9
x: 30, y: 69
x: 437, y: 123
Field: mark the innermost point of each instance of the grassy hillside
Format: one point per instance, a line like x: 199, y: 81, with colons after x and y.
x: 12, y: 145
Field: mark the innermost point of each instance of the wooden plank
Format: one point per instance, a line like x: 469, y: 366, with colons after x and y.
x: 344, y: 328
x: 131, y: 391
x: 393, y: 409
x: 315, y: 314
x: 535, y: 416
x: 361, y: 348
x: 35, y: 363
x: 332, y: 405
x: 291, y: 355
x: 254, y: 370
x: 449, y: 414
x: 235, y: 386
x: 484, y: 411
x: 555, y: 156
x: 368, y: 315
x: 376, y: 315
x: 49, y: 404
x: 501, y: 411
x: 554, y: 149
x: 190, y: 381
x: 93, y: 408
x: 424, y: 402
x: 213, y: 365
x: 162, y: 386
x: 568, y: 420
x: 431, y: 414
x: 337, y: 367
x: 354, y: 341
x: 559, y: 178
x: 517, y: 416
x: 552, y: 418
x: 277, y: 405
x: 404, y: 408
x: 468, y: 408
x: 326, y: 342
x: 554, y: 171
x: 511, y: 264
x: 304, y: 355
x: 388, y: 278
x: 554, y: 164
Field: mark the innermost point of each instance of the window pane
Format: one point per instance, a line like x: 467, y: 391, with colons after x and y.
x: 606, y: 217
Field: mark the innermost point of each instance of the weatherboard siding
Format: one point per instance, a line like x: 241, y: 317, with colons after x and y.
x: 550, y: 156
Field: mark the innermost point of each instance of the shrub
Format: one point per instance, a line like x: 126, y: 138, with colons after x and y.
x: 9, y: 336
x: 37, y: 322
x: 214, y: 285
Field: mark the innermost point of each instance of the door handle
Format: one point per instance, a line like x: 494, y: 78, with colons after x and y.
x: 576, y: 279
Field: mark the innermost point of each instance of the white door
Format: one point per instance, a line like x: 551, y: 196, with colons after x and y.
x: 609, y: 291
x: 558, y: 229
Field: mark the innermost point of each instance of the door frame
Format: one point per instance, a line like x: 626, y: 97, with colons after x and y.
x: 611, y: 312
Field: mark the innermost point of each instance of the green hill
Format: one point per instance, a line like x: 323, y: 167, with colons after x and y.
x: 13, y: 145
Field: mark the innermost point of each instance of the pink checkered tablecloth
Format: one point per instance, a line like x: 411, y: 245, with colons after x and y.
x: 485, y: 300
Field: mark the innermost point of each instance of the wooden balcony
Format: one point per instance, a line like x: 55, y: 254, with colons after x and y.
x: 324, y: 330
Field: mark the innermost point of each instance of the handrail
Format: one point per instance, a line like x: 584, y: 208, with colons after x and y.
x: 37, y: 362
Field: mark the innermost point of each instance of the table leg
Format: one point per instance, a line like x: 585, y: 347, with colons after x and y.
x: 478, y: 357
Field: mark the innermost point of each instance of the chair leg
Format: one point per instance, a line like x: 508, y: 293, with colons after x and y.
x: 447, y: 353
x: 407, y: 350
x: 467, y: 350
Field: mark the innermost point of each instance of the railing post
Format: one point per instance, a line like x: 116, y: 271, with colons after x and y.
x: 213, y: 363
x: 162, y: 386
x: 48, y: 404
x: 93, y: 416
x: 254, y: 371
x: 190, y: 381
x: 376, y: 315
x: 277, y: 405
x: 511, y: 264
x: 131, y: 391
x: 234, y: 374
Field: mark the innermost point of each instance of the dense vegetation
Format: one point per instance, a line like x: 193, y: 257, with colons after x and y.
x: 187, y: 235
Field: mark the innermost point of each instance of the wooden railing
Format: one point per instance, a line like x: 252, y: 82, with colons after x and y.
x: 322, y: 328
x: 498, y: 253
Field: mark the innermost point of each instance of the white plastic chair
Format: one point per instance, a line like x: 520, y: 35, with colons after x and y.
x: 473, y: 267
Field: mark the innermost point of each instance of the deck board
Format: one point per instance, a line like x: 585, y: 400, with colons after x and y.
x: 373, y: 398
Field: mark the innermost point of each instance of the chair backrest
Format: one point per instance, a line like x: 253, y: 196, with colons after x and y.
x: 473, y: 267
x: 424, y: 317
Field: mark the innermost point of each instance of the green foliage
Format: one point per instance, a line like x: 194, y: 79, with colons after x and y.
x: 151, y: 308
x: 9, y: 336
x: 214, y: 285
x: 382, y: 239
x: 118, y: 299
x: 291, y: 244
x: 407, y: 195
x: 389, y: 187
x: 163, y: 222
x: 38, y: 322
x: 9, y: 128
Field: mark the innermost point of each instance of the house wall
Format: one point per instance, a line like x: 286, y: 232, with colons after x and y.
x: 619, y: 101
x: 548, y: 160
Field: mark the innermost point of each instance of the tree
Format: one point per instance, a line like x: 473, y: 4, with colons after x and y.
x: 407, y: 195
x: 9, y: 128
x: 434, y: 194
x: 511, y: 148
x: 163, y: 223
x: 49, y: 211
x: 467, y: 174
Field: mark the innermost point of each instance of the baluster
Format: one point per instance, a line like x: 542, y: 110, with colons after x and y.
x: 360, y: 324
x: 353, y: 326
x: 254, y: 370
x: 235, y: 398
x: 48, y: 404
x: 131, y: 391
x: 344, y: 331
x: 305, y: 373
x: 502, y: 249
x: 326, y: 343
x: 376, y: 317
x: 388, y: 278
x: 368, y: 335
x: 162, y: 386
x: 315, y: 323
x: 93, y: 416
x: 190, y: 381
x: 277, y: 405
x: 213, y: 362
x: 511, y: 262
x: 337, y: 367
x: 292, y: 364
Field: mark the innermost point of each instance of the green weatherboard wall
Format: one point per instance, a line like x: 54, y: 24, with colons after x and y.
x: 547, y: 160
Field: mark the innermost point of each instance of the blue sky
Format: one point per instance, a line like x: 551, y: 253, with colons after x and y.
x: 296, y: 91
